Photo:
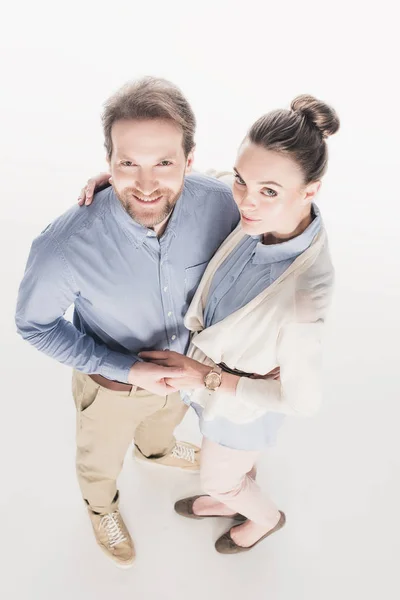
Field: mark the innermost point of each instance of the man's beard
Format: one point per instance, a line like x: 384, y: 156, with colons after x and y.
x: 151, y: 217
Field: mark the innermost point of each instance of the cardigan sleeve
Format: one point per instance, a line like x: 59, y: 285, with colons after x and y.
x: 299, y: 390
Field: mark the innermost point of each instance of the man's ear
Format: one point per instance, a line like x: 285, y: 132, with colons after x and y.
x: 189, y: 161
x: 108, y: 161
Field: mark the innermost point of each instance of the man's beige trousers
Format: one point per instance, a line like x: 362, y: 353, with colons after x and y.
x: 107, y: 422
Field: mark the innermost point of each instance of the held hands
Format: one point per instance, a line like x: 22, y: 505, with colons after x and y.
x: 152, y: 377
x: 190, y: 373
x: 87, y: 193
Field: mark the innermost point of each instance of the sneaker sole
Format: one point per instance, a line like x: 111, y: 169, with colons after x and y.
x: 124, y: 567
x: 114, y: 562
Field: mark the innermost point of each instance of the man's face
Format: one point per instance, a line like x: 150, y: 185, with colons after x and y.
x: 148, y: 166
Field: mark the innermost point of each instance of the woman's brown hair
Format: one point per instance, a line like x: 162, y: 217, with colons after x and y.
x: 299, y: 133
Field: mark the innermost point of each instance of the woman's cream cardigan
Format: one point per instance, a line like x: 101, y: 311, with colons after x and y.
x: 282, y: 327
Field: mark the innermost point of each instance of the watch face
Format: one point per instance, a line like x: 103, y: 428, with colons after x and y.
x: 213, y: 381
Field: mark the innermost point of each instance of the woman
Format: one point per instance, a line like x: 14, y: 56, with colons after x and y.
x: 260, y: 308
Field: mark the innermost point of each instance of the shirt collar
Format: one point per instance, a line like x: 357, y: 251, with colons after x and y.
x: 292, y: 248
x: 137, y: 231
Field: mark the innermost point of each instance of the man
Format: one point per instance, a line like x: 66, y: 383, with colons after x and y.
x: 130, y: 265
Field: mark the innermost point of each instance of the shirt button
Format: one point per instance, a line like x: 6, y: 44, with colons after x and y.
x: 173, y: 338
x: 166, y: 288
x: 232, y: 278
x: 170, y: 314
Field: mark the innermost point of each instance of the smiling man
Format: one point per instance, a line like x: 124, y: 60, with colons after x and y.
x: 130, y: 265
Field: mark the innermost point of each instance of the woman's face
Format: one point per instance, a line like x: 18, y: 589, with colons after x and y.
x: 270, y: 192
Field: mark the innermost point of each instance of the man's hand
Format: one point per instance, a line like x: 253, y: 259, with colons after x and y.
x: 151, y: 377
x: 192, y: 372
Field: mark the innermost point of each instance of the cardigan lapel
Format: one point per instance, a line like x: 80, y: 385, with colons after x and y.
x: 195, y: 321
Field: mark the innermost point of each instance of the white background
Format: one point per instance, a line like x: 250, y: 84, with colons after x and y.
x: 337, y: 475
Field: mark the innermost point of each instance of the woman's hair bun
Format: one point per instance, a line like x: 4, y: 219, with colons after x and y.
x: 317, y: 113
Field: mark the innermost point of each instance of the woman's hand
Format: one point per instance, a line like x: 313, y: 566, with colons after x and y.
x: 274, y: 374
x: 193, y: 372
x: 93, y: 185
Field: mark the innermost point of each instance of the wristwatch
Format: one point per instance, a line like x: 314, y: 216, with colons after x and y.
x: 213, y: 379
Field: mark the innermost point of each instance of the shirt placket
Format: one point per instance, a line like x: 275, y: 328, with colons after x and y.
x: 169, y: 309
x: 226, y: 286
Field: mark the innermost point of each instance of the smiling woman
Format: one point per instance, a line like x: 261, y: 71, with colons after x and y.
x: 257, y: 318
x: 279, y: 168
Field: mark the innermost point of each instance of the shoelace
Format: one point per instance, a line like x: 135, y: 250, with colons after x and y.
x: 112, y: 526
x: 183, y: 452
